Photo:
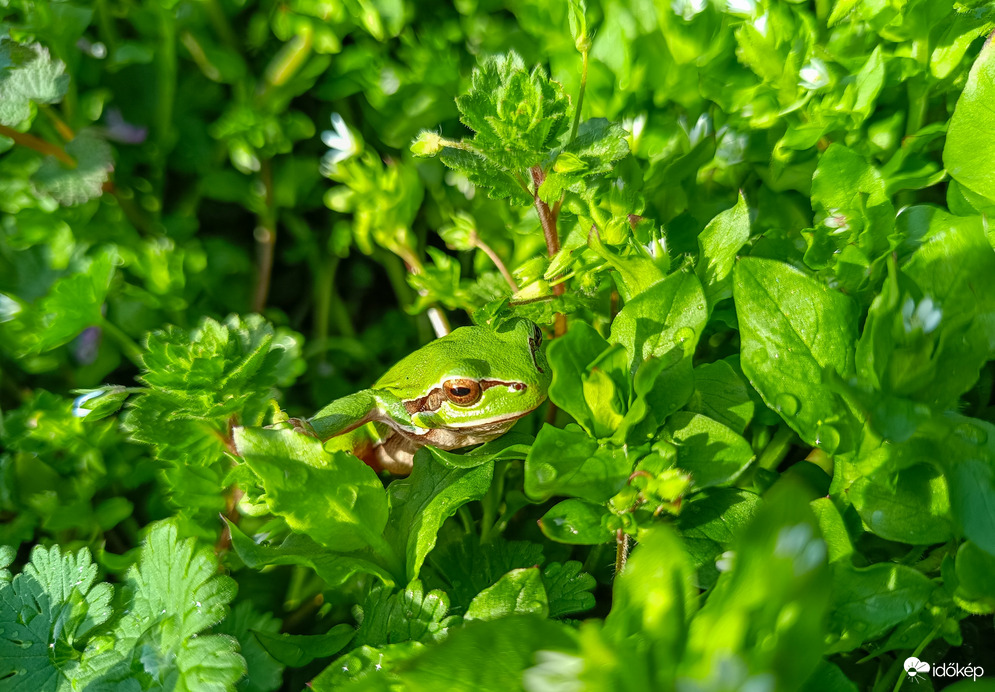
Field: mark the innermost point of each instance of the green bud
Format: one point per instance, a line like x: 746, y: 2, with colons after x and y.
x: 427, y: 144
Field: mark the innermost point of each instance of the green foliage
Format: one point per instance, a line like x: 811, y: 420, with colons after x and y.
x: 756, y: 238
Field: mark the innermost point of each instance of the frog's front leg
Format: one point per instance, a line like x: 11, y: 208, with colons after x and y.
x: 350, y: 412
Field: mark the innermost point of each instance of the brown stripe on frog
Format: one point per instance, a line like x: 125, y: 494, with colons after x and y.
x: 437, y: 397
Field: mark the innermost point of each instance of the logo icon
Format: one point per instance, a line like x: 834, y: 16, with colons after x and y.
x: 913, y: 667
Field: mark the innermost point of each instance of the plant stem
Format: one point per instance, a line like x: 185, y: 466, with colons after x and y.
x: 166, y: 95
x: 38, y: 144
x: 775, y: 452
x: 265, y: 234
x: 580, y: 96
x: 548, y: 221
x: 64, y: 130
x: 621, y: 551
x: 915, y: 654
x: 131, y: 350
x: 489, y: 251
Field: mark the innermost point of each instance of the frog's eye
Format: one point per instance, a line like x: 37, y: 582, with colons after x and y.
x: 462, y: 391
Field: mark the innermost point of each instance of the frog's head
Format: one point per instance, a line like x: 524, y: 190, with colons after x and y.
x: 473, y: 378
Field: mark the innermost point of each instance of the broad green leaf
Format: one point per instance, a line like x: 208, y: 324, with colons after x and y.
x: 568, y: 588
x: 335, y: 498
x: 519, y: 592
x: 335, y: 568
x: 709, y: 524
x: 911, y: 505
x: 48, y: 614
x: 569, y: 462
x: 482, y: 172
x: 28, y: 74
x: 420, y: 503
x: 576, y: 522
x: 868, y: 601
x: 366, y: 667
x: 968, y: 463
x: 833, y: 528
x: 792, y: 327
x: 721, y: 394
x: 408, y: 615
x: 969, y: 149
x: 717, y: 247
x: 712, y: 453
x: 571, y: 358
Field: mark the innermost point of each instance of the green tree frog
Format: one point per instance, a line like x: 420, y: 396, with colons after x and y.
x: 463, y: 389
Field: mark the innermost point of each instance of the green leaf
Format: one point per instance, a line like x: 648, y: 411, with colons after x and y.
x: 911, y: 506
x: 464, y: 567
x: 73, y: 304
x: 975, y: 590
x: 335, y: 568
x: 784, y: 320
x: 568, y: 588
x: 484, y: 173
x: 366, y: 667
x: 512, y: 445
x: 408, y: 615
x: 334, y: 498
x: 718, y: 245
x: 968, y: 149
x: 28, y: 73
x: 264, y: 673
x: 420, y: 503
x: 777, y: 566
x: 712, y: 453
x: 721, y: 394
x: 296, y: 650
x: 834, y: 529
x: 710, y: 523
x: 569, y: 462
x: 466, y: 659
x: 869, y: 601
x: 72, y: 185
x: 175, y: 594
x: 516, y: 115
x: 48, y: 615
x: 968, y: 462
x: 519, y: 592
x: 576, y: 522
x: 653, y: 600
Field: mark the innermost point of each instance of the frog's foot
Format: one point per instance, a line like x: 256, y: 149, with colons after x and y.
x: 300, y: 425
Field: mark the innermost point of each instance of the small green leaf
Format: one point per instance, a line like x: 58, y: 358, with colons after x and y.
x: 409, y: 615
x: 721, y: 394
x: 911, y: 506
x: 264, y: 673
x: 576, y: 522
x: 568, y: 588
x: 464, y: 568
x: 974, y: 579
x: 718, y: 245
x: 518, y: 592
x: 84, y: 181
x: 711, y: 522
x: 296, y: 650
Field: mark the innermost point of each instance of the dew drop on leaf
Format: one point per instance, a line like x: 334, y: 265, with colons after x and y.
x: 787, y: 404
x: 827, y: 438
x: 545, y: 474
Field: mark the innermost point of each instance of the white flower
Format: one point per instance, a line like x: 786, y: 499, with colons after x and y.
x: 78, y: 409
x: 926, y: 316
x: 342, y: 144
x: 702, y: 128
x: 635, y: 126
x: 814, y: 75
x: 688, y: 9
x: 836, y: 222
x: 745, y: 8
